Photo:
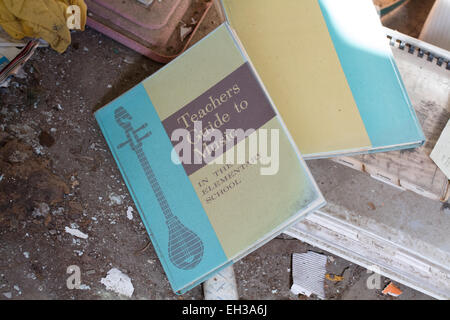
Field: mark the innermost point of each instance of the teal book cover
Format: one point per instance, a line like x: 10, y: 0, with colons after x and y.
x: 207, y: 159
x: 330, y: 71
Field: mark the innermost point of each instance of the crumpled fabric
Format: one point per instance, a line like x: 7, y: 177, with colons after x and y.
x: 46, y: 19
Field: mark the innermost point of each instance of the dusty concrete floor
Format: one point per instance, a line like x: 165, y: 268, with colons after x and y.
x: 56, y: 172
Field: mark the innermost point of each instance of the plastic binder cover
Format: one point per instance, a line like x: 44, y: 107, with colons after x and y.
x: 426, y: 71
x: 201, y: 215
x: 330, y: 72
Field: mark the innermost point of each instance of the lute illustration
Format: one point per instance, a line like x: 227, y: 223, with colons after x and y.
x: 185, y: 247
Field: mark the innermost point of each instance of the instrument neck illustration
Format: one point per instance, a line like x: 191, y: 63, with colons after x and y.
x: 185, y: 247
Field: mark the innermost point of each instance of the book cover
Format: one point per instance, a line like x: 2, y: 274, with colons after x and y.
x: 206, y: 157
x: 330, y: 72
x: 425, y: 70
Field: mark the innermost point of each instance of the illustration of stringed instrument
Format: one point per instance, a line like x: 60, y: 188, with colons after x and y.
x: 185, y: 247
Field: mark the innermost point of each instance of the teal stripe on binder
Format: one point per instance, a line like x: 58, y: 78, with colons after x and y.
x: 372, y: 74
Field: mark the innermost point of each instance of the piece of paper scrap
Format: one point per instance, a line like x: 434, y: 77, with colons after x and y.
x: 441, y: 151
x: 308, y: 272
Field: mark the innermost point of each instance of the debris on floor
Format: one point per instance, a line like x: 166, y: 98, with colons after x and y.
x: 7, y: 54
x: 115, y: 199
x: 308, y: 272
x: 392, y: 290
x: 23, y: 172
x: 8, y: 295
x: 185, y: 31
x: 17, y: 288
x: 76, y: 233
x: 222, y: 286
x: 441, y: 151
x: 13, y: 65
x: 333, y: 277
x: 371, y: 206
x: 130, y: 213
x: 118, y: 282
x: 146, y: 2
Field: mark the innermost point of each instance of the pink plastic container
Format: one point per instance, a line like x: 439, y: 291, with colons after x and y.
x: 153, y: 31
